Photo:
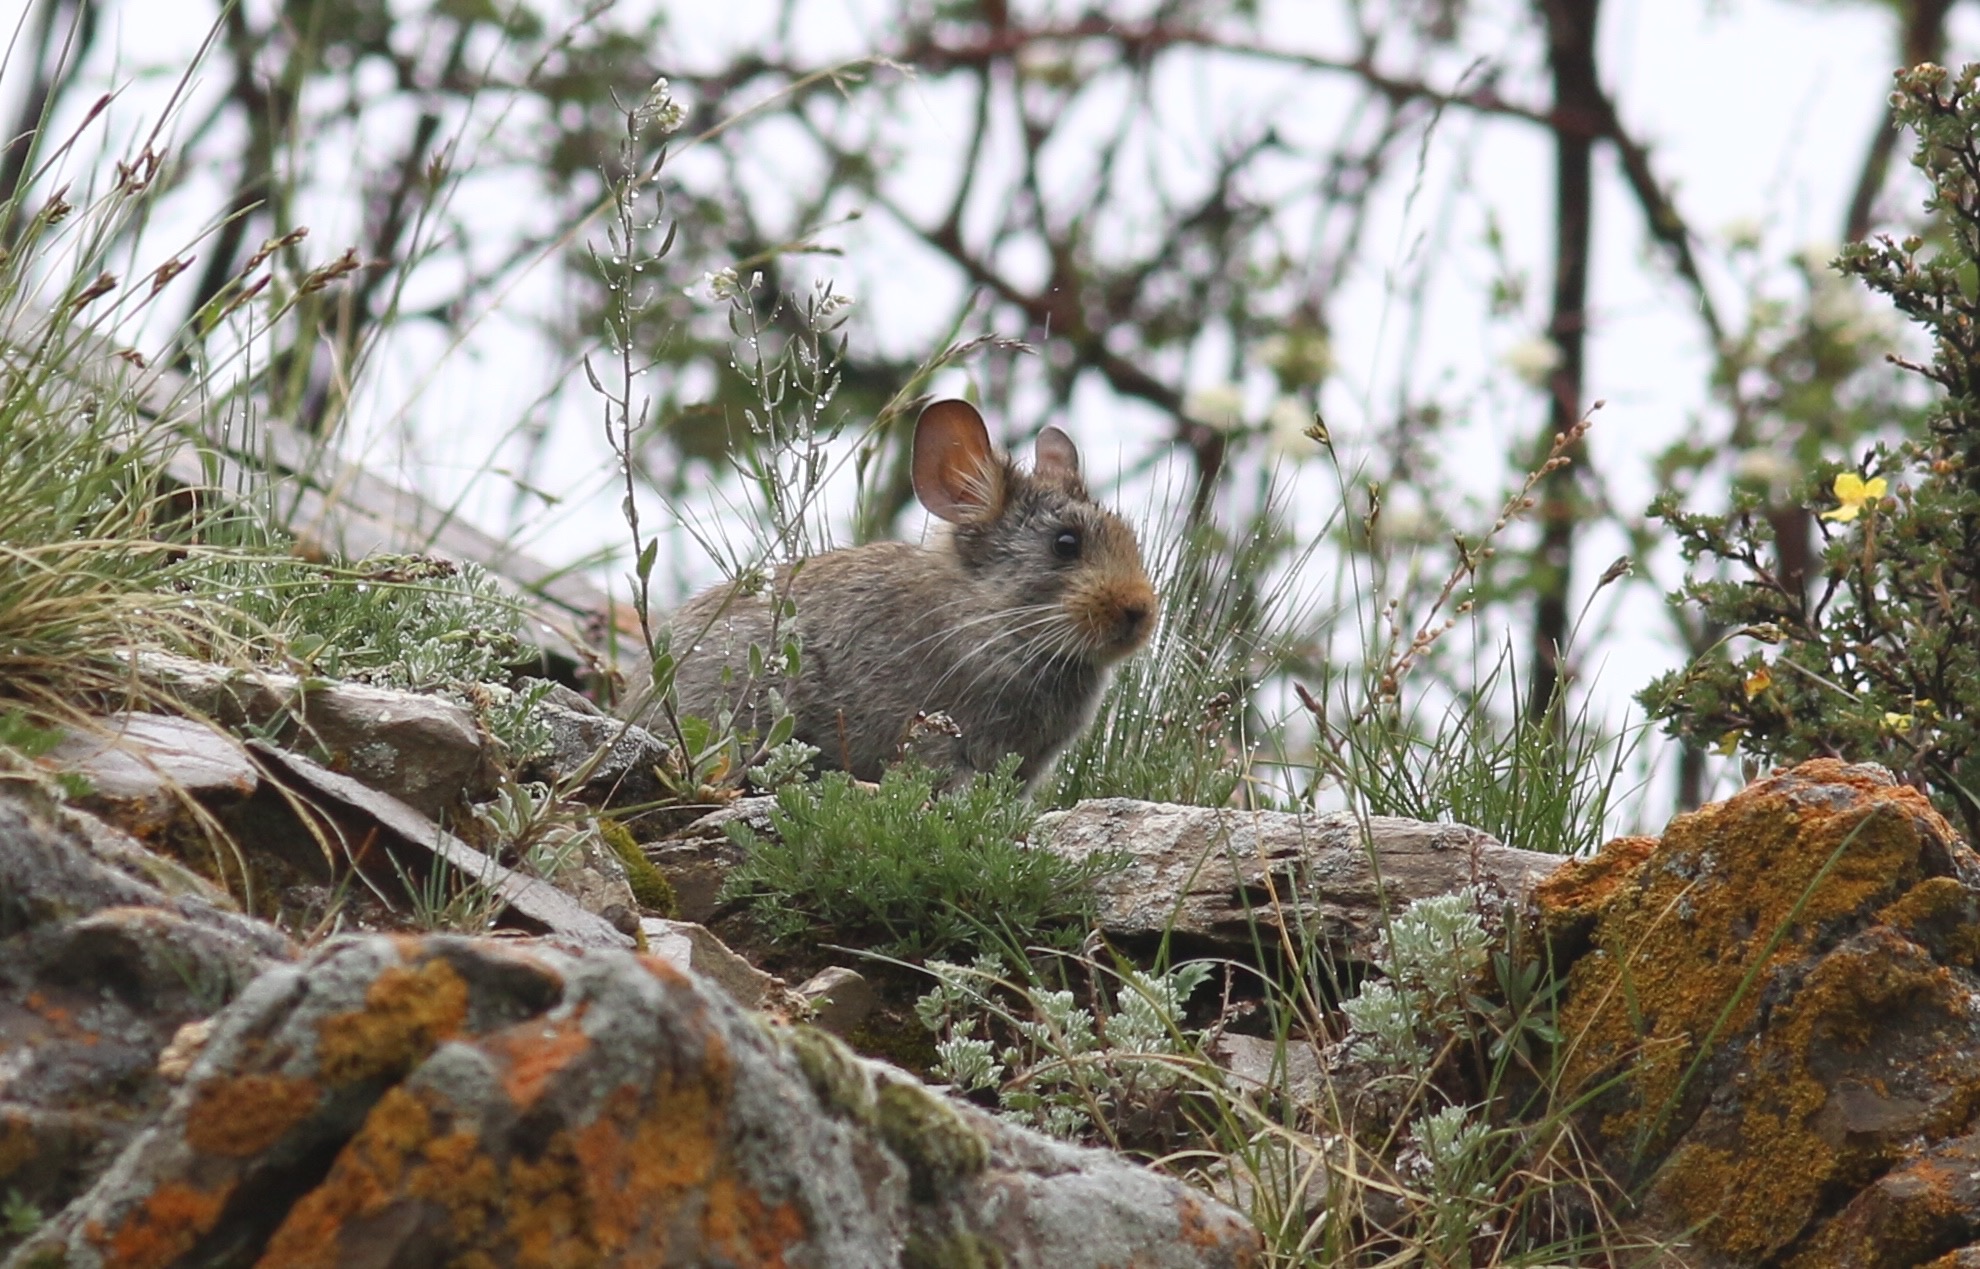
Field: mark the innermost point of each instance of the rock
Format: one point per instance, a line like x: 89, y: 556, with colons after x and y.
x: 839, y: 999
x: 618, y: 762
x: 1778, y: 1006
x: 694, y: 947
x: 1908, y: 1215
x: 392, y: 843
x: 1267, y: 1068
x: 442, y: 1101
x: 590, y: 873
x: 153, y: 774
x: 1224, y: 878
x: 698, y: 859
x: 99, y: 969
x: 422, y: 749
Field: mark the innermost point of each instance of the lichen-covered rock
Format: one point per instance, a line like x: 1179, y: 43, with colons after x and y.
x: 453, y: 1101
x: 613, y: 762
x: 420, y: 748
x: 1777, y: 1007
x: 102, y: 960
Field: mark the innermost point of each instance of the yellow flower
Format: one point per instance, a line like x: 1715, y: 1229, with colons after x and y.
x: 1758, y: 681
x: 1854, y: 493
x: 1729, y: 743
x: 1899, y: 723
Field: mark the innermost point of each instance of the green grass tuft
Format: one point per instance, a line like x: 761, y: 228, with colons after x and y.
x: 908, y: 873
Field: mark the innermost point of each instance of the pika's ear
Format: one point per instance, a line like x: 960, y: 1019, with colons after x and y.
x: 1056, y: 457
x: 957, y: 475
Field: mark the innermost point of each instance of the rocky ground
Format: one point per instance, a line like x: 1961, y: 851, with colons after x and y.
x: 248, y: 1055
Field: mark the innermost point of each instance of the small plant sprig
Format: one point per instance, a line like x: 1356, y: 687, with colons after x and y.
x: 1061, y: 1064
x: 631, y: 289
x: 1400, y: 656
x: 1882, y: 660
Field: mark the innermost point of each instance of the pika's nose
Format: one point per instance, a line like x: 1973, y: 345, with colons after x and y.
x: 1134, y: 619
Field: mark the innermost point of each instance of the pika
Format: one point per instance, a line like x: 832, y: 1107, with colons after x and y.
x: 1008, y: 620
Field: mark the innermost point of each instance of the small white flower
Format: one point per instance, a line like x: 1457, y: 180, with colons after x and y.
x: 1742, y: 233
x: 1286, y: 428
x: 1534, y: 358
x: 659, y: 111
x: 1220, y: 406
x: 1766, y: 467
x: 722, y: 284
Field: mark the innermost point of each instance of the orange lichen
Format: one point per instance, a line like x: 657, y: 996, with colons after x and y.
x: 1687, y: 945
x: 641, y: 1162
x: 407, y: 1012
x: 1198, y: 1232
x: 535, y: 1052
x: 1580, y: 887
x: 240, y: 1116
x: 1905, y: 1218
x: 738, y: 1226
x: 651, y: 1165
x: 1788, y: 1118
x: 367, y: 1178
x: 168, y: 1224
x: 1941, y: 914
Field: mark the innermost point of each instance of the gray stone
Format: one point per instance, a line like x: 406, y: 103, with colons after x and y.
x: 423, y: 749
x: 606, y: 762
x: 840, y: 999
x: 1230, y: 879
x: 153, y: 773
x: 99, y: 969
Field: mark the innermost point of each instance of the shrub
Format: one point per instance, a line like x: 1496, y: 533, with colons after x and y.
x: 1883, y: 662
x: 921, y: 875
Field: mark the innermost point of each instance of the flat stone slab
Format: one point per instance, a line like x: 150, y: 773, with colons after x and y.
x: 378, y: 828
x: 147, y: 770
x: 1230, y: 877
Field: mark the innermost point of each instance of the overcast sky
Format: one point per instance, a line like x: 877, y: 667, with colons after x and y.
x: 1758, y: 111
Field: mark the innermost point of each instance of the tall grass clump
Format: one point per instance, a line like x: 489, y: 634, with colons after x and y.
x: 105, y: 530
x: 1552, y: 784
x: 1175, y: 724
x: 127, y: 523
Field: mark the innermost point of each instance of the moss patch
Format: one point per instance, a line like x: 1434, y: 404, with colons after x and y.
x: 930, y: 1137
x: 842, y: 1084
x: 649, y: 885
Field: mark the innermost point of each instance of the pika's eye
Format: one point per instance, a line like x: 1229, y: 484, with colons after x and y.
x: 1066, y: 544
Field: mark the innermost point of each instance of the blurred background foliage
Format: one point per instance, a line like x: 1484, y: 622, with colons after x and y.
x: 443, y: 153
